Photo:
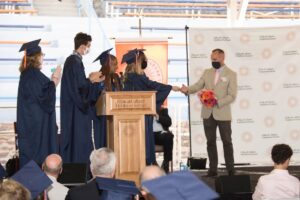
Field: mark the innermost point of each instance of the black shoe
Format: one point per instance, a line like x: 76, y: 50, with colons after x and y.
x: 231, y: 172
x: 165, y: 166
x: 211, y: 174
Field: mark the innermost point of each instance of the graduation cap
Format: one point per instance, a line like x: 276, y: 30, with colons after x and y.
x: 130, y: 56
x: 182, y: 185
x: 103, y: 56
x: 31, y: 47
x: 2, y: 172
x: 116, y: 189
x: 33, y: 178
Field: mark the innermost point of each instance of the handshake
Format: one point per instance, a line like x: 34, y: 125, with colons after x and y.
x: 183, y: 89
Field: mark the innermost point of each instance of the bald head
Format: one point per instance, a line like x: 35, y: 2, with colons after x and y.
x: 151, y: 172
x: 53, y: 165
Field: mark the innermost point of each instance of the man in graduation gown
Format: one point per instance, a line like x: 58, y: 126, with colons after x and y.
x: 76, y: 124
x: 136, y: 80
x: 36, y: 118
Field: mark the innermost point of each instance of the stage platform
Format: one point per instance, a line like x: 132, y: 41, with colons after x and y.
x: 253, y: 171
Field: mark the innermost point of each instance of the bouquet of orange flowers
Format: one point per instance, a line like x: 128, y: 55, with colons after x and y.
x: 207, y: 98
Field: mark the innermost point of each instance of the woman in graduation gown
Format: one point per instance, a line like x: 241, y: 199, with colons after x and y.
x: 36, y: 119
x: 136, y: 80
x: 111, y: 82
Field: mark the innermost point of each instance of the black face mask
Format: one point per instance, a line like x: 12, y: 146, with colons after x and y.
x: 144, y: 64
x: 216, y: 65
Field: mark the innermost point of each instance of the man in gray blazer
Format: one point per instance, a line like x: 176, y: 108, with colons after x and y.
x: 223, y: 81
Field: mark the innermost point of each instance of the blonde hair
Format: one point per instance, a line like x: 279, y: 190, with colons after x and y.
x: 11, y: 189
x: 31, y: 62
x: 135, y: 67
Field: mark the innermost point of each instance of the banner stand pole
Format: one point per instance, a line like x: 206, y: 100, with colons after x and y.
x: 187, y: 75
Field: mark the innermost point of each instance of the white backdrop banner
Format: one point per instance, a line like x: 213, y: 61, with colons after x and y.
x: 267, y: 108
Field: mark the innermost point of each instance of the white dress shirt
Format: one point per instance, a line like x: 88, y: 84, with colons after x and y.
x: 279, y: 184
x: 56, y: 191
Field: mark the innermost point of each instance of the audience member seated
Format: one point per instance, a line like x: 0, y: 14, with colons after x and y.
x: 103, y: 164
x: 149, y: 173
x: 181, y: 185
x: 11, y: 189
x: 33, y: 178
x: 163, y: 136
x: 279, y: 184
x: 53, y: 168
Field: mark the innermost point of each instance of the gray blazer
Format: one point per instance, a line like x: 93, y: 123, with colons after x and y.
x: 225, y: 91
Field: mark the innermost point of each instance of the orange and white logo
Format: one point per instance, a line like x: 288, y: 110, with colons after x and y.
x: 200, y: 139
x: 292, y: 102
x: 295, y: 134
x: 153, y: 71
x: 267, y: 86
x: 244, y: 38
x: 244, y: 104
x: 291, y: 68
x: 269, y: 121
x: 199, y: 38
x: 247, y: 137
x: 290, y: 36
x: 244, y: 71
x: 266, y: 53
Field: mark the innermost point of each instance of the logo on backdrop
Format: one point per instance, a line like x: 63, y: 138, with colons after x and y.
x: 267, y: 86
x: 200, y: 139
x: 153, y: 71
x: 247, y: 137
x: 290, y: 36
x: 244, y: 104
x: 199, y: 38
x: 292, y: 102
x: 266, y: 53
x: 295, y: 134
x: 244, y: 38
x: 291, y: 68
x: 244, y: 71
x: 269, y: 121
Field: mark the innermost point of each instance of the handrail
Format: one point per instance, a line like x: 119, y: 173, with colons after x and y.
x: 21, y: 42
x: 280, y: 16
x: 13, y: 0
x: 18, y: 11
x: 14, y: 4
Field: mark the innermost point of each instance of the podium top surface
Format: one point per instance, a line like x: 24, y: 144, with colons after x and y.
x: 127, y: 103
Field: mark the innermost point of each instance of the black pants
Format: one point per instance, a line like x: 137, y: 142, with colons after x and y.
x: 166, y: 140
x: 210, y: 129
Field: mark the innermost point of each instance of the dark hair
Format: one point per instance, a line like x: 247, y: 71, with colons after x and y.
x: 218, y: 50
x: 281, y: 152
x: 81, y: 38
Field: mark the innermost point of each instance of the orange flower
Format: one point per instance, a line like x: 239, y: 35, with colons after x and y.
x: 207, y: 98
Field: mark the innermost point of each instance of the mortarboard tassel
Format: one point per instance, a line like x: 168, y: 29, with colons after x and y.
x: 25, y: 64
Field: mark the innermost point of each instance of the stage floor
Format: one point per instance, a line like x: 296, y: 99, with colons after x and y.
x: 253, y: 172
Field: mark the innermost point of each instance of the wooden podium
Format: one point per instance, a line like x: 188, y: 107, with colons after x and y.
x: 125, y: 113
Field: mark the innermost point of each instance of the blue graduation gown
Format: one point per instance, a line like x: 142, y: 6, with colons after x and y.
x: 36, y: 119
x: 75, y: 111
x: 99, y: 122
x: 138, y: 82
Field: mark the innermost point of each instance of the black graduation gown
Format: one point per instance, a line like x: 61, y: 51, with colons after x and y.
x: 75, y: 110
x: 137, y: 82
x: 36, y: 119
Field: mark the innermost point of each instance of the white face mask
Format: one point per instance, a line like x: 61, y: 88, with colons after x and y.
x: 87, y: 50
